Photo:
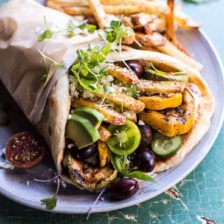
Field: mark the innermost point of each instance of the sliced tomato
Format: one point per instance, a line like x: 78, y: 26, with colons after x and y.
x: 25, y: 150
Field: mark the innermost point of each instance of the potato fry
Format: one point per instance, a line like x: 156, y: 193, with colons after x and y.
x: 151, y: 40
x: 98, y: 11
x: 123, y: 100
x: 110, y: 115
x: 69, y: 3
x: 185, y: 23
x: 170, y: 25
x: 122, y: 9
x: 54, y: 5
x: 172, y: 50
x: 114, y: 10
x: 141, y: 19
x: 123, y: 74
x: 161, y: 86
x: 78, y: 10
x: 151, y: 7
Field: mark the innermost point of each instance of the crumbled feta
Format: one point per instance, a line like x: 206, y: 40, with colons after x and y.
x: 69, y: 116
x: 87, y: 94
x: 140, y: 122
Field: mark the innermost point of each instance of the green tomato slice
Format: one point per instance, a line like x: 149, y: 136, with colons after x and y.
x: 125, y: 138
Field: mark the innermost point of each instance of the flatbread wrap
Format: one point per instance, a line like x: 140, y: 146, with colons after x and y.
x: 100, y: 104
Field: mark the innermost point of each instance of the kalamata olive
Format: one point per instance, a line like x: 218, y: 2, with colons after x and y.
x: 86, y: 152
x: 146, y: 160
x: 146, y: 134
x: 123, y: 188
x: 136, y: 66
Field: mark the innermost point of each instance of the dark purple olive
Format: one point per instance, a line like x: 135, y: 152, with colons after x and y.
x: 146, y: 160
x: 86, y: 152
x: 93, y: 160
x: 123, y: 188
x: 146, y: 133
x: 136, y: 66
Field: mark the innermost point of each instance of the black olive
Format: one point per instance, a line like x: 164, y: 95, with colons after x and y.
x: 136, y: 66
x: 133, y: 158
x: 87, y: 152
x: 123, y: 188
x: 146, y: 133
x: 146, y: 160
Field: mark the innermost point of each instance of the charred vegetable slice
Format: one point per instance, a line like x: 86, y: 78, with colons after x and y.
x: 124, y: 101
x: 86, y: 176
x: 125, y: 139
x: 25, y: 150
x: 123, y: 74
x: 110, y: 115
x: 160, y: 102
x: 173, y: 122
x: 104, y: 154
x: 161, y: 86
x: 164, y: 146
x: 104, y: 133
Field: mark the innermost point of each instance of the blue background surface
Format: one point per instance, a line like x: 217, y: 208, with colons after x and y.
x: 200, y: 196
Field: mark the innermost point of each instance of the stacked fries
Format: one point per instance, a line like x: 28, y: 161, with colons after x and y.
x: 154, y: 22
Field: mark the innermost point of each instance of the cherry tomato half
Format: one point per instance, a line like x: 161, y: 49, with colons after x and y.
x: 25, y: 150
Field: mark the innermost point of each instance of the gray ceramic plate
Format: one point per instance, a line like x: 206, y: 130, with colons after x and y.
x: 20, y: 187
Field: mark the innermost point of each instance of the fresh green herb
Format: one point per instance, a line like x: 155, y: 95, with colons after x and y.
x: 46, y: 58
x: 154, y: 70
x: 119, y: 164
x: 138, y: 175
x: 91, y: 66
x: 46, y: 34
x: 44, y: 77
x: 50, y: 203
x: 115, y: 33
x: 70, y: 30
x: 132, y: 91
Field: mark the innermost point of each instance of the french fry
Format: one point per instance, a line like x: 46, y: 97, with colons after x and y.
x: 166, y: 47
x: 172, y: 50
x: 110, y: 115
x: 152, y: 7
x: 122, y: 9
x: 113, y: 10
x: 69, y: 3
x: 123, y: 74
x: 98, y: 11
x: 54, y: 5
x: 151, y: 40
x: 184, y: 22
x: 78, y: 10
x: 123, y: 100
x: 170, y: 25
x: 161, y: 86
x: 141, y: 19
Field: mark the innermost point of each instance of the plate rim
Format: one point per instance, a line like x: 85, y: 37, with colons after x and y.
x: 33, y: 204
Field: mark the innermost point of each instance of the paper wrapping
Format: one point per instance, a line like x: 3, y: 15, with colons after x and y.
x: 21, y: 64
